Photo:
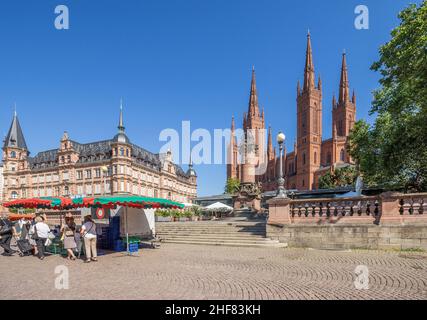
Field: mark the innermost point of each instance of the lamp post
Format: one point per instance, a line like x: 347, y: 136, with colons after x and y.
x: 281, y: 192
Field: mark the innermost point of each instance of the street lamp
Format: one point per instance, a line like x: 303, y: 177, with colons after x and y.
x: 104, y: 170
x: 281, y: 192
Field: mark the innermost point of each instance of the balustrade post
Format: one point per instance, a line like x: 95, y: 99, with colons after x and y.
x: 390, y: 207
x: 279, y: 210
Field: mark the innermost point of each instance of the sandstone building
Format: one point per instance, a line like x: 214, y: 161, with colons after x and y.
x: 108, y: 167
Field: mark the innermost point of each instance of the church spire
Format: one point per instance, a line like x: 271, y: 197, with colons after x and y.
x: 344, y: 86
x: 253, y: 99
x: 270, y: 149
x: 309, y: 66
x: 15, y: 137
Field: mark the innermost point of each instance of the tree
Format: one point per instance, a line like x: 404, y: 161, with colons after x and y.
x: 393, y: 151
x: 232, y: 186
x: 341, y: 177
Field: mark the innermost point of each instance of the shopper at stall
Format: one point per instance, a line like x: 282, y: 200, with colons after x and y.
x: 88, y: 232
x: 68, y: 234
x: 40, y: 235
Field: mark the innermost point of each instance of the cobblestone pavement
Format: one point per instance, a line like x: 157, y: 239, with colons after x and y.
x: 207, y: 272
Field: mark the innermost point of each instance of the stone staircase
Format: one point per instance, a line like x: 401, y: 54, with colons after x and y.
x: 237, y: 232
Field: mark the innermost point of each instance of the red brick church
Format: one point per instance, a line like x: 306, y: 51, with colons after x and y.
x: 312, y: 157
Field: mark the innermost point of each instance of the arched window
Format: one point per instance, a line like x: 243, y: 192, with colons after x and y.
x: 315, y: 157
x: 342, y: 155
x: 14, y: 195
x: 13, y: 154
x: 66, y: 190
x: 303, y: 159
x: 69, y: 158
x: 127, y: 152
x: 122, y: 151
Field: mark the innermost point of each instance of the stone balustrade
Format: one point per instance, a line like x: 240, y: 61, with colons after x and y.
x: 387, y: 221
x: 387, y: 207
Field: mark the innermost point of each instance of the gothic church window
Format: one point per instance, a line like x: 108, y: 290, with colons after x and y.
x: 342, y: 155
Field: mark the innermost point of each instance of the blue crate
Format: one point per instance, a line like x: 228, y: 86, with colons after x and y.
x: 133, y: 247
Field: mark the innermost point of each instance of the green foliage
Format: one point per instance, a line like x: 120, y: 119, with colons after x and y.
x: 393, y: 151
x: 232, y: 186
x: 21, y: 210
x: 341, y: 177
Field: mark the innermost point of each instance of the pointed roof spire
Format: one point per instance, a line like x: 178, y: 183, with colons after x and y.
x: 309, y: 66
x: 253, y: 109
x: 15, y: 137
x: 344, y: 95
x: 270, y: 149
x: 334, y: 101
x: 121, y: 126
x: 233, y: 127
x: 319, y: 84
x: 298, y: 88
x: 334, y: 132
x: 353, y: 98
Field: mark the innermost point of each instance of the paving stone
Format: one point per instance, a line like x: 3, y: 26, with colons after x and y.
x: 206, y: 272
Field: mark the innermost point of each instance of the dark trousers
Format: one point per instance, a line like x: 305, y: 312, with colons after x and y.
x: 5, y: 243
x: 40, y: 247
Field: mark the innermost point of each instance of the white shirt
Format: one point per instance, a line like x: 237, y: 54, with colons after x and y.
x: 89, y: 229
x: 42, y: 230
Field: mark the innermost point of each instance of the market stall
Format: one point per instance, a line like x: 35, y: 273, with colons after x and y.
x: 133, y: 216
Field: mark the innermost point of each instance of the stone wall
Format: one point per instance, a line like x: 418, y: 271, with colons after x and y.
x: 388, y: 221
x: 350, y: 236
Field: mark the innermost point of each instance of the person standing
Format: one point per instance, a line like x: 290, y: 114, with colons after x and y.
x: 40, y: 234
x: 88, y: 232
x: 69, y: 231
x: 7, y: 231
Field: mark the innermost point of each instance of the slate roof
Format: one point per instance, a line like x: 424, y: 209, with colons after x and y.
x: 100, y: 151
x: 15, y: 137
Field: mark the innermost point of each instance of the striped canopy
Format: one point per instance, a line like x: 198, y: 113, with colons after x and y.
x: 111, y: 202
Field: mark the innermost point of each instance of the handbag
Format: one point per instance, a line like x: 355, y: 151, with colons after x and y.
x: 35, y: 236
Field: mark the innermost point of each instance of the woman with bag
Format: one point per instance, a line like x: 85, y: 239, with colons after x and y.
x: 88, y: 233
x: 68, y: 235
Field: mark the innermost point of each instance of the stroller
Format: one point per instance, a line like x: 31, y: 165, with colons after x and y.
x: 23, y: 243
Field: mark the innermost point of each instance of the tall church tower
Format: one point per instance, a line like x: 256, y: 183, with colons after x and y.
x: 344, y: 111
x: 232, y: 165
x: 309, y: 115
x: 254, y: 128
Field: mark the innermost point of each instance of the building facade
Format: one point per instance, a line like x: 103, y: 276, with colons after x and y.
x: 312, y: 156
x: 108, y: 167
x: 1, y: 186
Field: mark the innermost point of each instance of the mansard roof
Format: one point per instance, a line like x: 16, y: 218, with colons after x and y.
x: 99, y: 151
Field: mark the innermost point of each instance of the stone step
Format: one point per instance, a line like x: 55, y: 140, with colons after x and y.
x: 229, y: 244
x: 219, y: 234
x: 233, y: 229
x: 213, y: 236
x: 218, y: 239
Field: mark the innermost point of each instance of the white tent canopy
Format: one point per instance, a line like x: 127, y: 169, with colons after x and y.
x: 219, y: 207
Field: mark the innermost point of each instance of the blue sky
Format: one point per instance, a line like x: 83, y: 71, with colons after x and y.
x: 177, y: 60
